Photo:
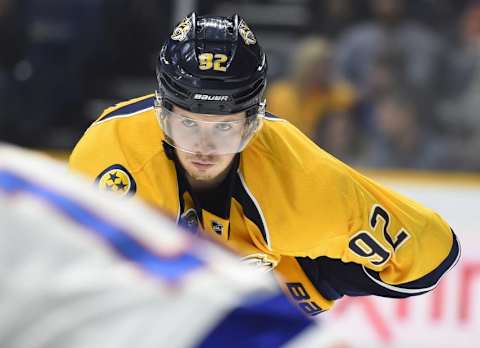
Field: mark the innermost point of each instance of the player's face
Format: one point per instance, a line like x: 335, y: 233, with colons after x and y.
x: 205, y: 168
x: 205, y: 164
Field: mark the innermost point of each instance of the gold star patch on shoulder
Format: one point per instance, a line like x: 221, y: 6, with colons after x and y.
x: 116, y: 178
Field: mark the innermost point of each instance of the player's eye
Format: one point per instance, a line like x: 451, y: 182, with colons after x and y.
x: 223, y: 126
x: 189, y: 123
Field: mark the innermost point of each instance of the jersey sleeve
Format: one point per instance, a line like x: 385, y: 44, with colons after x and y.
x: 96, y: 150
x: 395, y: 247
x: 105, y: 142
x: 100, y: 158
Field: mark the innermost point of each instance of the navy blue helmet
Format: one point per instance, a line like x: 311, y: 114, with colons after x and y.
x: 212, y: 65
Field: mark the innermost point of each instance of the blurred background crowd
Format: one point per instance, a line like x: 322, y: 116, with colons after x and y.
x: 377, y: 83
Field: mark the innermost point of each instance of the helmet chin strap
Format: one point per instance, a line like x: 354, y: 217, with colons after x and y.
x: 160, y: 101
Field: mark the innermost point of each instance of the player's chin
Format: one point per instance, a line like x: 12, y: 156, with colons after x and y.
x: 202, y: 176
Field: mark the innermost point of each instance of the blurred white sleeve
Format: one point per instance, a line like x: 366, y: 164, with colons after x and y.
x: 82, y: 269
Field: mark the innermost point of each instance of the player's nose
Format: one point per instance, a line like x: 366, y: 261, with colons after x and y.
x: 205, y: 144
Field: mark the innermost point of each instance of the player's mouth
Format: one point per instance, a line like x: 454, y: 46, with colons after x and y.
x: 202, y: 165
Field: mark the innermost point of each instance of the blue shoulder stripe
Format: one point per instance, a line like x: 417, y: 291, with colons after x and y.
x: 130, y: 108
x: 272, y: 117
x: 120, y: 240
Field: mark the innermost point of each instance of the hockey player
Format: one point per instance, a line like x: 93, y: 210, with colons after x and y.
x: 79, y: 269
x: 203, y: 149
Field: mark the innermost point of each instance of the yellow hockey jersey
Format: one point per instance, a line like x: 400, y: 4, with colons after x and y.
x: 327, y: 230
